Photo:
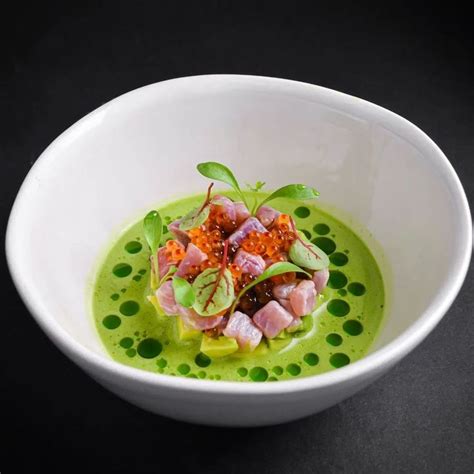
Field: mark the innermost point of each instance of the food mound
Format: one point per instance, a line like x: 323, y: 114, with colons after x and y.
x: 241, y: 275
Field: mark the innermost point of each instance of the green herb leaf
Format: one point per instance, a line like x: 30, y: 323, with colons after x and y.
x: 292, y: 191
x: 220, y: 172
x: 274, y: 270
x: 197, y: 216
x: 172, y: 270
x: 257, y: 187
x: 214, y: 290
x: 307, y: 255
x: 153, y: 229
x: 183, y: 292
x: 194, y: 218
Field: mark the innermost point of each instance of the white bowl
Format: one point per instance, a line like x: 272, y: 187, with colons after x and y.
x: 370, y: 165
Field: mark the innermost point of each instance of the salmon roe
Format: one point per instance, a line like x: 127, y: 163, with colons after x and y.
x: 273, y: 244
x: 174, y: 251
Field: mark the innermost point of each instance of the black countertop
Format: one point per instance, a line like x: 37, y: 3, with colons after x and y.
x: 61, y: 61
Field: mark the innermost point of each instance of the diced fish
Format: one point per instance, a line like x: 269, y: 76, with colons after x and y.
x: 200, y: 323
x: 284, y: 290
x: 272, y: 319
x: 320, y: 279
x: 287, y: 305
x: 194, y: 256
x: 179, y: 234
x: 244, y: 229
x: 303, y: 298
x: 165, y: 296
x: 241, y: 212
x: 241, y: 327
x: 267, y: 215
x: 218, y: 330
x: 282, y: 294
x: 224, y: 206
x: 249, y: 263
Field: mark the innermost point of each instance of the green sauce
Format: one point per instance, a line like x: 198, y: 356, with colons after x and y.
x: 311, y: 358
x: 122, y: 270
x: 337, y: 279
x: 339, y: 259
x: 334, y: 339
x: 321, y: 229
x: 326, y: 244
x: 133, y: 246
x: 348, y: 316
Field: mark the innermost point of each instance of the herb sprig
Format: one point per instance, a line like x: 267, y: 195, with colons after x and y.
x: 220, y: 172
x: 153, y: 230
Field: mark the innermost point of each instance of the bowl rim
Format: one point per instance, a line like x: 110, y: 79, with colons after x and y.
x: 374, y: 362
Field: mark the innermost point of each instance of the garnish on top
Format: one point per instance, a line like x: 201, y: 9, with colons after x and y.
x: 237, y: 276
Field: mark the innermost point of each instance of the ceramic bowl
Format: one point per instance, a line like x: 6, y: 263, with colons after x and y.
x: 373, y: 168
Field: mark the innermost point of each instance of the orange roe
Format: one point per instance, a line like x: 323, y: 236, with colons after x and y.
x: 178, y: 254
x: 283, y: 219
x: 248, y: 245
x: 260, y: 249
x: 272, y: 245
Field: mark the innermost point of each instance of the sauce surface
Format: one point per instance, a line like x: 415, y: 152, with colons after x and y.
x: 344, y: 324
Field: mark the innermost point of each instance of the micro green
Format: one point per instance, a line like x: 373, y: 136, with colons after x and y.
x: 214, y: 288
x: 220, y: 172
x: 197, y: 216
x: 305, y: 253
x: 291, y: 191
x: 169, y: 274
x: 153, y: 230
x: 183, y: 292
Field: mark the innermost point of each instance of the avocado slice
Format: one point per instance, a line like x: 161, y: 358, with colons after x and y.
x: 282, y: 335
x: 278, y: 344
x: 260, y: 350
x: 218, y: 347
x: 186, y: 333
x: 154, y: 301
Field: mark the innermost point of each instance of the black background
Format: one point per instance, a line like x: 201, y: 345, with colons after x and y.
x: 62, y: 60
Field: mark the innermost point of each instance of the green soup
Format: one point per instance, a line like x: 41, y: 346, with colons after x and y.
x: 340, y: 330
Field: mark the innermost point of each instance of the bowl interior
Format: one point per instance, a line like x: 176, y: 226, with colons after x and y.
x: 376, y: 170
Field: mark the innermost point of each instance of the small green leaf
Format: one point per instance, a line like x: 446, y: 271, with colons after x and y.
x: 172, y: 270
x: 292, y: 191
x: 214, y: 290
x: 220, y: 172
x: 307, y: 255
x: 153, y: 229
x: 194, y: 218
x: 183, y: 292
x: 257, y: 187
x: 274, y: 270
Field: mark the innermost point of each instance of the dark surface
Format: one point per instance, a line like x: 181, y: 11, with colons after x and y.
x: 60, y: 62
